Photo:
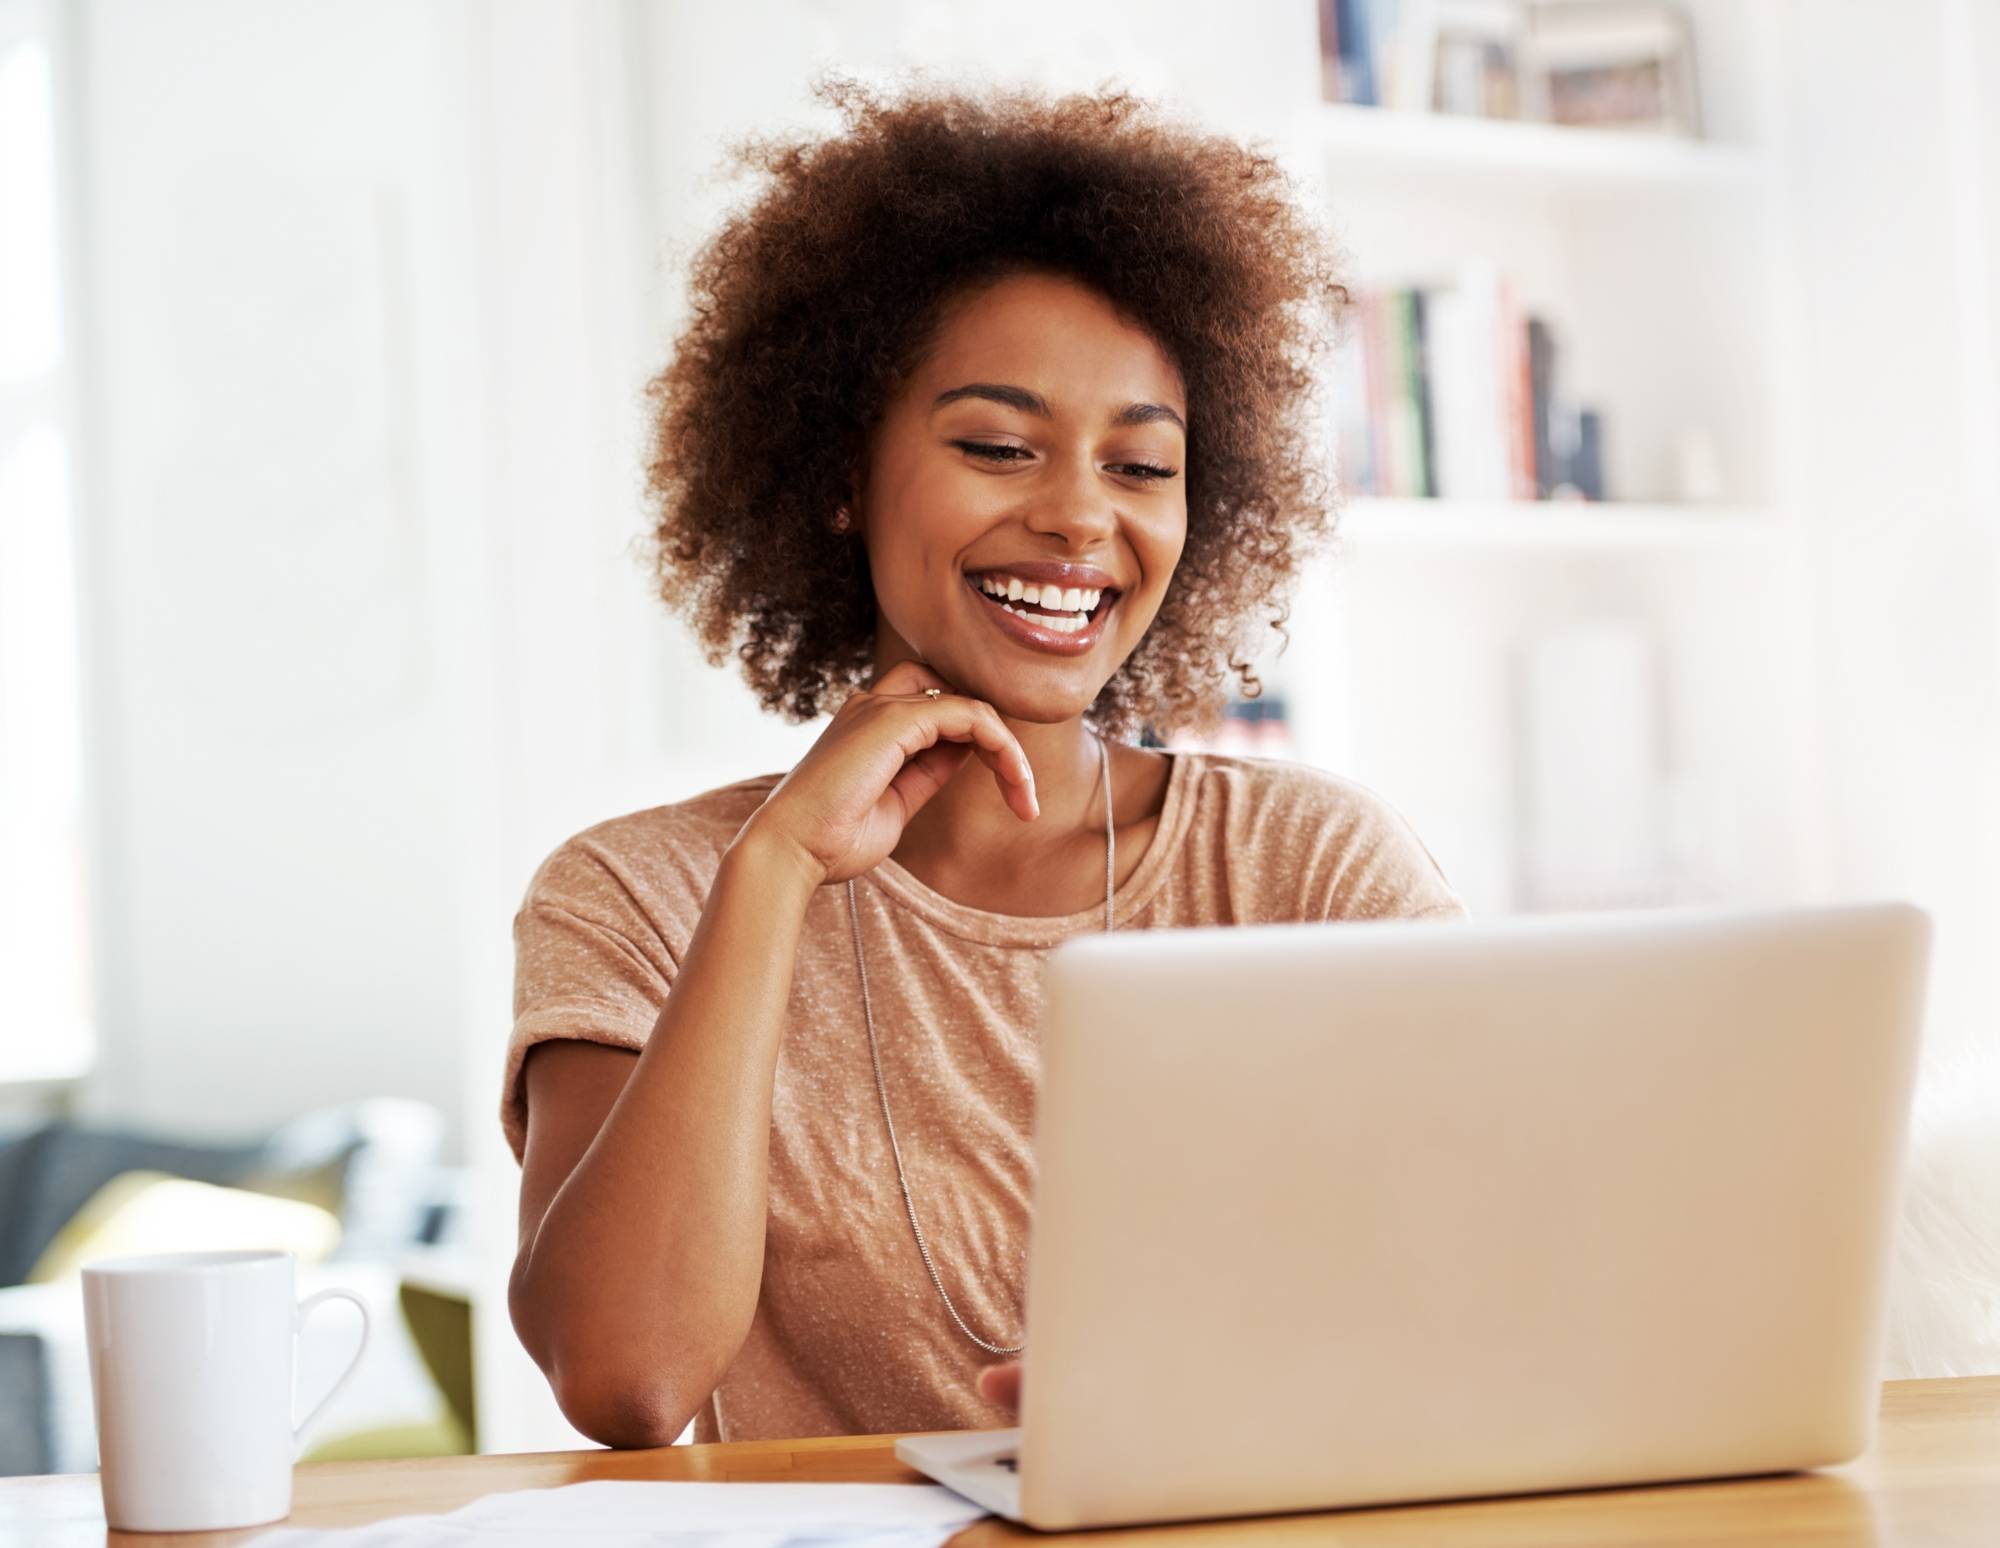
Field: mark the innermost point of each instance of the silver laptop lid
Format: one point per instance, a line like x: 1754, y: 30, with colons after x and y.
x: 1346, y: 1214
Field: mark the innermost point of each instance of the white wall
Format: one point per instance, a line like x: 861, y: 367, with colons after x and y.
x: 1893, y: 214
x: 283, y: 413
x: 365, y: 324
x: 1895, y: 372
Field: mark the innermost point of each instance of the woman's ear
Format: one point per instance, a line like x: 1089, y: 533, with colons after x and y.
x: 849, y: 516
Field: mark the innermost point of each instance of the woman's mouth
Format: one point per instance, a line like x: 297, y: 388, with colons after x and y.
x: 1044, y: 615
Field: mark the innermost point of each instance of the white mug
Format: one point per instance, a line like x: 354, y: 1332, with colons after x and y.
x: 191, y: 1361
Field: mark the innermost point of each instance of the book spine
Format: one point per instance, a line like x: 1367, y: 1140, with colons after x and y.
x: 1403, y: 399
x: 1395, y: 462
x: 1420, y: 382
x: 1524, y: 412
x: 1588, y: 469
x: 1445, y: 343
x: 1331, y: 86
x: 1375, y: 366
x: 1485, y: 411
x: 1356, y: 52
x: 1541, y: 378
x: 1514, y: 426
x: 1352, y: 431
x: 1367, y: 80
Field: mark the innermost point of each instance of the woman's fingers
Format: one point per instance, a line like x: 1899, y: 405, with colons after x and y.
x: 973, y: 720
x: 1000, y: 1385
x: 891, y: 747
x: 928, y: 773
x: 945, y: 714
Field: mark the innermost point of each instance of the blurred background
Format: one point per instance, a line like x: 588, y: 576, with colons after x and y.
x: 1668, y: 423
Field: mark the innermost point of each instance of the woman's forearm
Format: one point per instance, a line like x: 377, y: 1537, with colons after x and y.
x: 639, y: 1285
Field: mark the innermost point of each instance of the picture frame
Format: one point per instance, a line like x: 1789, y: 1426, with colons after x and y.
x: 1476, y: 53
x: 1626, y: 65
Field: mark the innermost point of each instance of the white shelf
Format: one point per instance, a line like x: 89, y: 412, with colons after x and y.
x: 1386, y: 140
x: 1551, y: 524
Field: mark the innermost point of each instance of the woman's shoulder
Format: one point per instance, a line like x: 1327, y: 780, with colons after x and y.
x: 1276, y: 789
x: 1301, y: 829
x: 707, y: 821
x: 660, y: 855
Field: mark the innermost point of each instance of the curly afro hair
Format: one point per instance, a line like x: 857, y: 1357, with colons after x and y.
x: 811, y: 304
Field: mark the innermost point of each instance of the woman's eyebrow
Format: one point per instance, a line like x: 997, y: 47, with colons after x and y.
x: 1034, y: 403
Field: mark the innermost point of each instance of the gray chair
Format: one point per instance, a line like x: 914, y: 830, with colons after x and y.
x: 24, y: 1406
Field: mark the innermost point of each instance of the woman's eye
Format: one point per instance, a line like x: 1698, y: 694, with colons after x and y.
x: 989, y: 452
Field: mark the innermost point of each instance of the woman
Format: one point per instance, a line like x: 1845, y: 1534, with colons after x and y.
x: 989, y: 435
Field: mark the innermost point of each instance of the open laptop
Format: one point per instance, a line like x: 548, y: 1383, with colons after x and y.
x: 1341, y: 1215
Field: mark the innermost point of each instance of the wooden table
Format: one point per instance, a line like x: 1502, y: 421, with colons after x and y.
x: 1933, y: 1478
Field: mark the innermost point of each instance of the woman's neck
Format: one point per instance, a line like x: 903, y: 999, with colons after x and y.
x: 969, y: 820
x: 968, y: 845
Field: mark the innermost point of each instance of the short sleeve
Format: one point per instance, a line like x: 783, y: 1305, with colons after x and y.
x: 590, y: 964
x: 1380, y: 869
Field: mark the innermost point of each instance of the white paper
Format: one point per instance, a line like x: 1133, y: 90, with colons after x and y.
x: 619, y: 1514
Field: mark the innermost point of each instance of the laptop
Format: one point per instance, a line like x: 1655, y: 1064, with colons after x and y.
x: 1368, y: 1213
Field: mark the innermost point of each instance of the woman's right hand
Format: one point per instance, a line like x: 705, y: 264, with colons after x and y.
x: 888, y: 750
x: 1000, y: 1385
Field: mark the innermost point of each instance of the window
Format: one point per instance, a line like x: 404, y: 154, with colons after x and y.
x: 46, y: 1022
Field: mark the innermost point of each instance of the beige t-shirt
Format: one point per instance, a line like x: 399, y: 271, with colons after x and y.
x: 849, y: 1336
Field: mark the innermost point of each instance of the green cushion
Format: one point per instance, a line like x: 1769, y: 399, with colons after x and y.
x: 144, y: 1212
x: 439, y: 1437
x: 441, y: 1324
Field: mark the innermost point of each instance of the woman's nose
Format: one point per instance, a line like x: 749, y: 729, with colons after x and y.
x: 1074, y: 505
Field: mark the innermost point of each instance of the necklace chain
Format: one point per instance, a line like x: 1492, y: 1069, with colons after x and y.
x: 882, y: 1088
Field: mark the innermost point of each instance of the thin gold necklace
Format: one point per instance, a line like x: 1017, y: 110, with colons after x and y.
x: 882, y: 1089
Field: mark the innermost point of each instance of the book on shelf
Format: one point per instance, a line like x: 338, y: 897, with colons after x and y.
x: 1618, y: 64
x: 1253, y: 728
x: 1452, y: 392
x: 1377, y: 53
x: 1541, y: 383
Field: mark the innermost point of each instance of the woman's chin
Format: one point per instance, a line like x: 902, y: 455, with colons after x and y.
x: 1044, y: 704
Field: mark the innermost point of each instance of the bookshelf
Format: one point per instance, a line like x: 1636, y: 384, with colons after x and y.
x: 1486, y: 664
x: 1374, y: 141
x: 1553, y: 525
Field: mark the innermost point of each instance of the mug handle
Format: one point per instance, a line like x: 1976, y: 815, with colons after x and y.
x: 298, y: 1322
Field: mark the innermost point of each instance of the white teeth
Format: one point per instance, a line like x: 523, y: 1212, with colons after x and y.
x: 1055, y: 623
x: 1076, y: 600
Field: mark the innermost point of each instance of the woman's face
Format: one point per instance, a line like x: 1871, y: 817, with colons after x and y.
x: 1025, y: 497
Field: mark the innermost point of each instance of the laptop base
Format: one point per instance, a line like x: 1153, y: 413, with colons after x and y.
x: 979, y: 1464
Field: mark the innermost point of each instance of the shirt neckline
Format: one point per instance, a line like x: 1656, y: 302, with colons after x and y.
x: 1132, y: 895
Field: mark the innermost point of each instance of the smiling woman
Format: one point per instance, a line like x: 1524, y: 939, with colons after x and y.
x: 813, y: 309
x: 989, y: 435
x: 1060, y: 477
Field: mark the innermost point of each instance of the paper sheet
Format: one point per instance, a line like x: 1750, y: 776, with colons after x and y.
x: 617, y: 1514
